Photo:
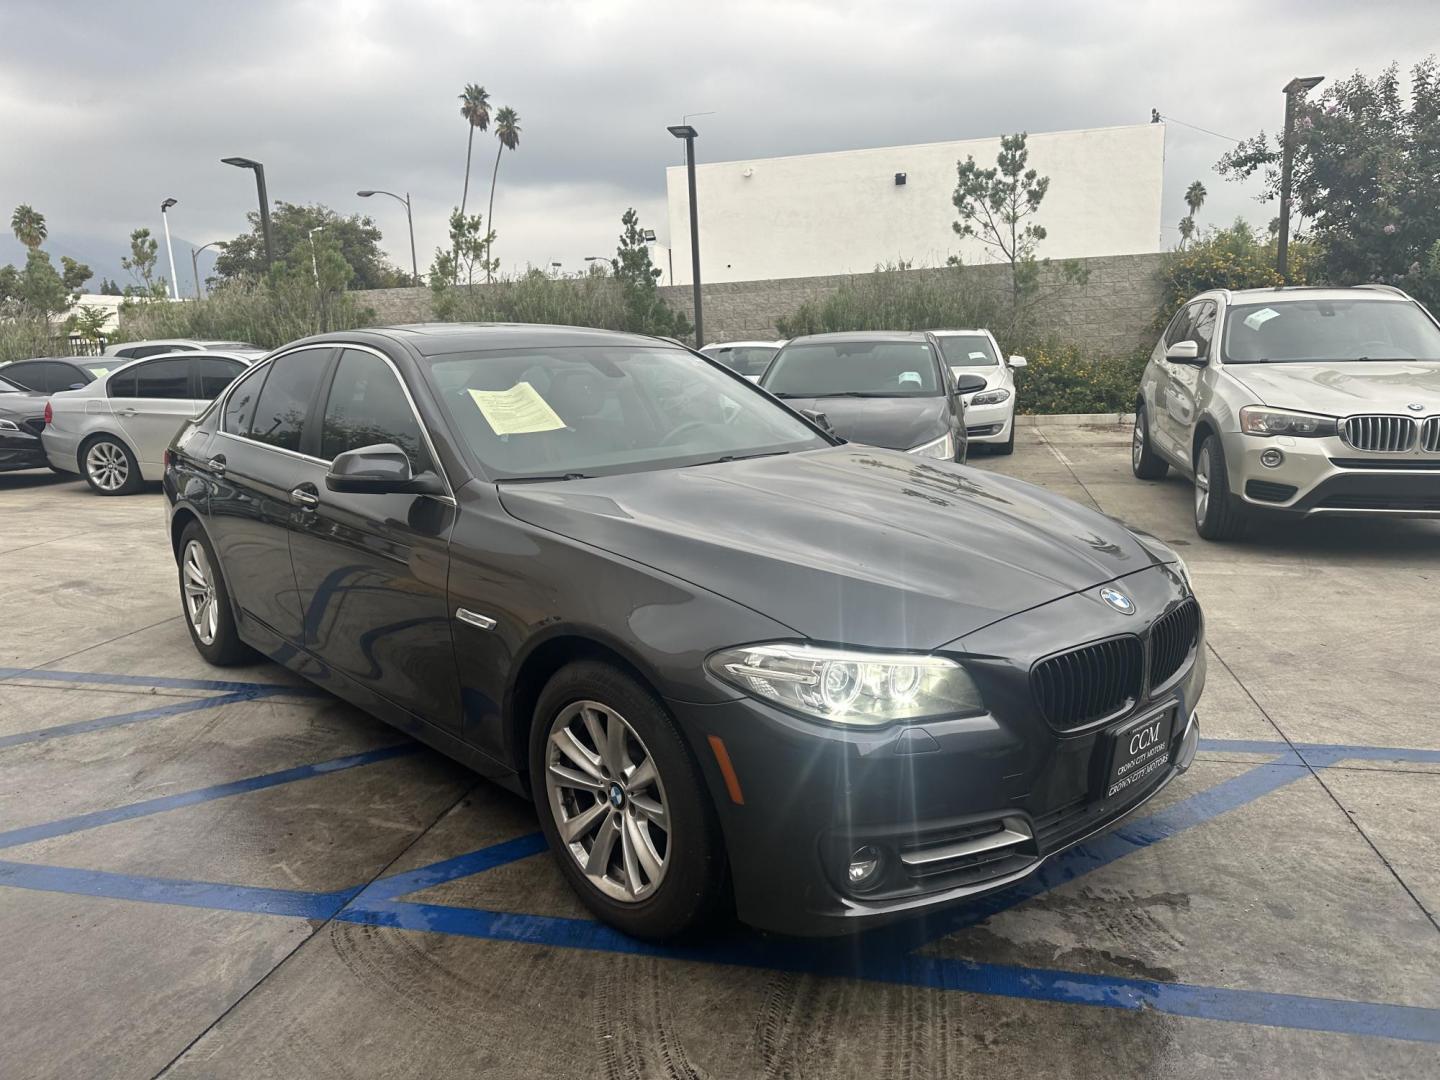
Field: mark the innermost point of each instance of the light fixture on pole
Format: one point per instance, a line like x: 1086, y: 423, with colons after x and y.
x: 195, y: 264
x: 414, y: 266
x: 688, y: 133
x: 555, y: 267
x: 1294, y: 89
x: 169, y: 249
x: 259, y: 170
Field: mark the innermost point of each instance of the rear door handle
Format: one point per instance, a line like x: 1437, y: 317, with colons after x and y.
x: 216, y: 464
x: 305, y: 496
x: 127, y: 413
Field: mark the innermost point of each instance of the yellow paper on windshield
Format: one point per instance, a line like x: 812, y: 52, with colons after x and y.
x: 517, y: 411
x: 99, y: 372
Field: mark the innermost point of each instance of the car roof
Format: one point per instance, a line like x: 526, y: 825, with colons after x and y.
x: 76, y: 360
x: 437, y: 339
x: 744, y: 345
x: 1284, y: 293
x: 952, y: 331
x: 918, y: 336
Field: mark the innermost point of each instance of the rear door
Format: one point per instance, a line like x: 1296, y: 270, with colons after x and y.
x: 372, y: 569
x: 150, y: 401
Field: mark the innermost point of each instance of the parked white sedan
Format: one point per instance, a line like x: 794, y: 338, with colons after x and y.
x: 115, y: 430
x: 989, y: 413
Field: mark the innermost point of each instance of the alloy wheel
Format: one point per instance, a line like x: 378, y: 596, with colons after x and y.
x: 607, y: 800
x: 107, y: 466
x: 199, y: 586
x: 1202, y: 484
x: 1137, y: 441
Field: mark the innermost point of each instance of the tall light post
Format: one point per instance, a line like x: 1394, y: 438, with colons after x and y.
x: 1294, y: 89
x: 688, y: 133
x: 169, y: 248
x: 195, y: 264
x: 414, y: 266
x: 314, y: 266
x: 259, y: 170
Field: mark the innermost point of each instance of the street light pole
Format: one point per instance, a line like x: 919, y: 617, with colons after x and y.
x: 688, y: 133
x: 169, y: 248
x: 409, y: 219
x: 195, y: 265
x: 259, y: 170
x: 1294, y: 89
x: 314, y: 267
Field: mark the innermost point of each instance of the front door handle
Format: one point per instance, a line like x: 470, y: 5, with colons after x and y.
x: 216, y: 464
x: 305, y: 496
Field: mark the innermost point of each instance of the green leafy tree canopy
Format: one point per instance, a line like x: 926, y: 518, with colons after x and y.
x: 29, y: 226
x: 638, y: 278
x: 356, y: 237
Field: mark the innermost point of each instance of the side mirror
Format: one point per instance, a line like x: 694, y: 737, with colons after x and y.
x: 1185, y: 352
x: 77, y: 386
x: 968, y: 384
x: 381, y: 469
x: 819, y: 419
x: 1019, y: 362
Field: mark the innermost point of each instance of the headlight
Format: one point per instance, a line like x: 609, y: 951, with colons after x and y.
x: 848, y: 687
x: 991, y: 397
x: 8, y: 425
x: 942, y: 448
x: 1257, y: 421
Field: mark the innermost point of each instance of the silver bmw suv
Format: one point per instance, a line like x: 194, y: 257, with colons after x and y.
x: 1301, y: 401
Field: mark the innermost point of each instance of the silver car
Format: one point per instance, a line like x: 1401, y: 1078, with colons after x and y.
x: 115, y: 430
x: 137, y: 350
x: 1297, y: 401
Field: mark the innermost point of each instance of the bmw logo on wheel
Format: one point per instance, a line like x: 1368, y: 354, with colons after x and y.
x: 1118, y: 600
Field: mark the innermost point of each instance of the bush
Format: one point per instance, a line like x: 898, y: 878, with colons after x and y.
x: 22, y: 338
x: 268, y: 314
x: 595, y: 299
x: 1233, y: 258
x: 1061, y: 378
x: 897, y: 298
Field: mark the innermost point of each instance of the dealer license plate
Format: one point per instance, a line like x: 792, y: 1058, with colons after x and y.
x: 1140, y: 752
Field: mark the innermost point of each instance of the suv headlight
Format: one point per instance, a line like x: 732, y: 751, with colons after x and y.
x: 942, y: 448
x: 845, y: 686
x: 1255, y: 420
x: 991, y: 397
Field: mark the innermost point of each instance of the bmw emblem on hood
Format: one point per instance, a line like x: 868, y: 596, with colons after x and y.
x: 1118, y: 600
x: 1416, y: 406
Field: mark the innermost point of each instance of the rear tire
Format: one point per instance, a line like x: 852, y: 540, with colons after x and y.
x: 205, y: 602
x: 1217, y: 517
x: 109, y: 467
x: 625, y: 885
x: 1144, y: 462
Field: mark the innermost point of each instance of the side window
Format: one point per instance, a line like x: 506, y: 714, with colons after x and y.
x: 48, y: 376
x: 285, y: 398
x: 1179, y: 328
x: 240, y: 405
x: 213, y: 374
x: 122, y: 385
x: 22, y: 375
x: 1202, y: 331
x: 367, y: 405
x: 165, y: 379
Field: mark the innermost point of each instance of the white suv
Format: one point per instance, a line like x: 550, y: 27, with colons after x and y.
x: 989, y: 413
x: 1298, y: 401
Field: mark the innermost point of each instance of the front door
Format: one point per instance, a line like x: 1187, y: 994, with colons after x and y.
x: 371, y: 569
x: 1182, y: 393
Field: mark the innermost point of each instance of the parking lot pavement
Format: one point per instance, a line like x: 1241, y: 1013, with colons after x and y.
x: 210, y: 873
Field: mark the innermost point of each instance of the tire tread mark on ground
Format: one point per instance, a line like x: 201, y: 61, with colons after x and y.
x: 633, y: 1020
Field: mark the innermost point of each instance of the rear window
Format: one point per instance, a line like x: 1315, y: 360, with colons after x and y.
x: 855, y: 369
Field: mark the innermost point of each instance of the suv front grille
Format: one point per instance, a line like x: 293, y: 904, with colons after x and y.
x: 1380, y: 434
x: 1089, y: 684
x: 1172, y: 639
x: 1430, y: 436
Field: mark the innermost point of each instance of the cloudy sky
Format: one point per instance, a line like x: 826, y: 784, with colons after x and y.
x: 107, y: 108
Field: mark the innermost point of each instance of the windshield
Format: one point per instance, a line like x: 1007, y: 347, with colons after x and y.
x: 591, y: 410
x: 1297, y: 331
x: 854, y: 368
x: 968, y: 350
x: 746, y: 359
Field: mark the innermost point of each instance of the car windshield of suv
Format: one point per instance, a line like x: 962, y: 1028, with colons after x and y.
x: 968, y: 350
x: 576, y: 411
x: 745, y: 359
x: 1325, y: 331
x: 854, y: 369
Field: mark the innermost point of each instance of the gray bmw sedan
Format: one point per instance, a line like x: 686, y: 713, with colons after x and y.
x: 735, y: 663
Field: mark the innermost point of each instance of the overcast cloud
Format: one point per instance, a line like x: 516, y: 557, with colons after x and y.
x: 107, y: 108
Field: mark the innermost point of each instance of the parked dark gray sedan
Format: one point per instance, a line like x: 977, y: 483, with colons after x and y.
x: 732, y: 662
x: 22, y: 418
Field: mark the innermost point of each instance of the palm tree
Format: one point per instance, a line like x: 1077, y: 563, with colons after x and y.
x: 1187, y: 230
x: 29, y: 226
x: 475, y: 108
x: 507, y: 130
x: 1195, y: 197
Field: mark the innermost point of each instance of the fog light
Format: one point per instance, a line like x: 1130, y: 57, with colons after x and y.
x: 1272, y: 459
x: 864, y: 868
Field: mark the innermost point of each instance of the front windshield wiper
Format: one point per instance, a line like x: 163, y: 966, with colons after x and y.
x: 544, y: 479
x: 736, y: 457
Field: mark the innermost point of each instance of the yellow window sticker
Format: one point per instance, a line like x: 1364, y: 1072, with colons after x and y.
x: 517, y: 411
x: 99, y: 372
x: 1257, y: 319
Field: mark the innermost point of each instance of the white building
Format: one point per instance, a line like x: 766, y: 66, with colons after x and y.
x: 848, y: 212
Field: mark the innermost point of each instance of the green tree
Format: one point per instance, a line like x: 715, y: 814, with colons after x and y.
x: 994, y: 204
x: 1194, y: 199
x: 1366, y: 158
x: 74, y: 273
x: 356, y: 236
x: 29, y: 226
x: 475, y: 108
x: 40, y: 289
x: 1232, y: 258
x: 109, y: 288
x: 90, y: 322
x: 144, y: 253
x: 507, y: 130
x: 647, y: 313
x: 466, y: 257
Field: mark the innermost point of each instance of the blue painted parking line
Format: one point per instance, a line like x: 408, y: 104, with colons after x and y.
x: 467, y: 865
x: 102, y: 678
x: 100, y: 723
x: 81, y: 822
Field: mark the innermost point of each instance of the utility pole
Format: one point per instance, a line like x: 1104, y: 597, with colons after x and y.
x: 1294, y: 89
x: 688, y: 133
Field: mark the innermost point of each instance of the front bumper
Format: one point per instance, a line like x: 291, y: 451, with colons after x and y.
x: 927, y: 794
x: 1327, y: 477
x: 20, y: 450
x: 990, y: 423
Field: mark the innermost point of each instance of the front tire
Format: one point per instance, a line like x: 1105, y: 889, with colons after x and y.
x: 1144, y: 462
x: 109, y: 467
x: 1006, y: 448
x: 1217, y: 517
x: 206, y: 602
x: 623, y: 804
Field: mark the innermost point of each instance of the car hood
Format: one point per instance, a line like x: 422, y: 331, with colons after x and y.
x: 850, y: 544
x: 897, y: 423
x: 1386, y: 386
